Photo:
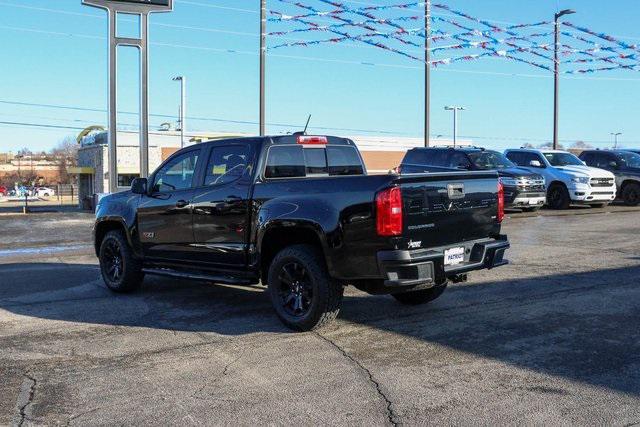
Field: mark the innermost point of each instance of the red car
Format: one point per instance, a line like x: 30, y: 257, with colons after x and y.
x: 3, y: 190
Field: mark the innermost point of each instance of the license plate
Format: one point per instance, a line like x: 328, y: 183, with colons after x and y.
x: 533, y: 202
x: 453, y: 256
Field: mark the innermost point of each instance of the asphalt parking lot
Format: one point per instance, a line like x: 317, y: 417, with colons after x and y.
x: 553, y: 338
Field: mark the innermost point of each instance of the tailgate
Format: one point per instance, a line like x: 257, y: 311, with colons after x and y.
x: 450, y: 207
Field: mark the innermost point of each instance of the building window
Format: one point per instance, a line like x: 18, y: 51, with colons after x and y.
x: 125, y: 180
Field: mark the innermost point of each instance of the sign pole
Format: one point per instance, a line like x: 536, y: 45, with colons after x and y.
x: 144, y: 95
x: 113, y: 104
x: 141, y: 8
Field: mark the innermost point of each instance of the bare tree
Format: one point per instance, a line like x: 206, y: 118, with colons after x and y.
x: 66, y: 155
x: 550, y: 145
x: 581, y: 145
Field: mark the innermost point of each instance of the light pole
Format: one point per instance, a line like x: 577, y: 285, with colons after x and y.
x: 183, y: 106
x: 455, y: 110
x: 427, y: 70
x: 615, y: 139
x: 556, y: 73
x: 262, y: 66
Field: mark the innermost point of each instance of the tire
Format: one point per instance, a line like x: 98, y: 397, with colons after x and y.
x: 631, y: 194
x: 302, y: 293
x: 422, y: 296
x: 558, y: 197
x: 121, y: 271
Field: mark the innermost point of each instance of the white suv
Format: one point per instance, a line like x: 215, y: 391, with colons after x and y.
x: 568, y: 179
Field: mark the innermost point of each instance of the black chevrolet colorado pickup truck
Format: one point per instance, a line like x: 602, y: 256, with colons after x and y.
x: 299, y: 214
x: 522, y: 189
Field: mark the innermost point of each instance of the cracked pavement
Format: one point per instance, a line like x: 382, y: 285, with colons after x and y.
x: 553, y: 338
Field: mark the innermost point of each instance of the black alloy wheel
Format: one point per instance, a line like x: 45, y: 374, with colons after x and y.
x: 121, y: 270
x: 295, y: 289
x: 303, y: 294
x: 558, y: 197
x: 112, y: 259
x: 631, y: 194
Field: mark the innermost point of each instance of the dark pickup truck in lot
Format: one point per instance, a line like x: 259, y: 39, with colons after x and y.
x: 522, y: 189
x: 625, y: 165
x: 299, y: 214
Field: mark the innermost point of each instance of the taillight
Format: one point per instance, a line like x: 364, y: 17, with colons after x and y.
x: 389, y: 212
x: 500, y: 215
x: 312, y: 140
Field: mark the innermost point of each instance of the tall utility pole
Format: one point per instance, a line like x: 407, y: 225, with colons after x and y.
x: 427, y: 70
x: 556, y: 73
x: 455, y: 110
x: 183, y: 106
x: 263, y: 52
x: 615, y: 139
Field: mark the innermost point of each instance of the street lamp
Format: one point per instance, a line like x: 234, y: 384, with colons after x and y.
x: 615, y: 139
x: 455, y: 110
x: 183, y: 106
x: 556, y: 73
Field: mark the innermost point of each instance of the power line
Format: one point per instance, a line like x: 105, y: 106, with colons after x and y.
x: 209, y: 119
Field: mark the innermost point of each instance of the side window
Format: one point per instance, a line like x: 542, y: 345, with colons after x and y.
x: 344, y: 161
x: 515, y: 157
x: 609, y: 159
x: 459, y: 160
x: 177, y: 174
x: 227, y: 163
x: 285, y: 162
x: 599, y: 160
x: 587, y: 158
x: 428, y: 157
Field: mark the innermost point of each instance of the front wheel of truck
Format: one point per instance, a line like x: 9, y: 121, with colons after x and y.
x: 301, y: 290
x: 422, y: 296
x: 121, y: 271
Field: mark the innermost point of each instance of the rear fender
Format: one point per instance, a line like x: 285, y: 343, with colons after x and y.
x: 315, y: 217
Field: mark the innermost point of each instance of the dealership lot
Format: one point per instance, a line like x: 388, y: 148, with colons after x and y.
x: 552, y: 338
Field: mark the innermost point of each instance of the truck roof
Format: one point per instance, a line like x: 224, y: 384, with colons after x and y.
x: 536, y: 150
x: 288, y: 139
x: 465, y: 148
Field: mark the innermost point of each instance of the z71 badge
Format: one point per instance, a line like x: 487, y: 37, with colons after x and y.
x: 414, y: 245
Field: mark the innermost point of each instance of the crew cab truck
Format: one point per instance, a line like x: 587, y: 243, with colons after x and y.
x: 299, y: 214
x: 624, y: 165
x: 522, y: 189
x: 568, y: 179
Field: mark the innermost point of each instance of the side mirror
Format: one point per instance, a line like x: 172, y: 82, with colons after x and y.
x: 139, y: 186
x: 535, y: 164
x: 613, y: 164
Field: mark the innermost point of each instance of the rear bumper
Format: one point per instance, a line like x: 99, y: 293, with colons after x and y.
x: 426, y: 267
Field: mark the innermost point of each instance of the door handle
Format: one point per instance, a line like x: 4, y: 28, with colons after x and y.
x: 182, y: 204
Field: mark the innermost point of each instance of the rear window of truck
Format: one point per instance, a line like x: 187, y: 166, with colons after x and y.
x: 290, y: 161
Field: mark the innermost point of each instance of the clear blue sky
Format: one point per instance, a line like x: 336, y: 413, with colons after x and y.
x: 59, y: 58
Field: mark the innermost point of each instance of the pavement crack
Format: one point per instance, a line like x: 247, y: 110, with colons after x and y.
x: 391, y: 416
x: 225, y: 372
x: 25, y: 398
